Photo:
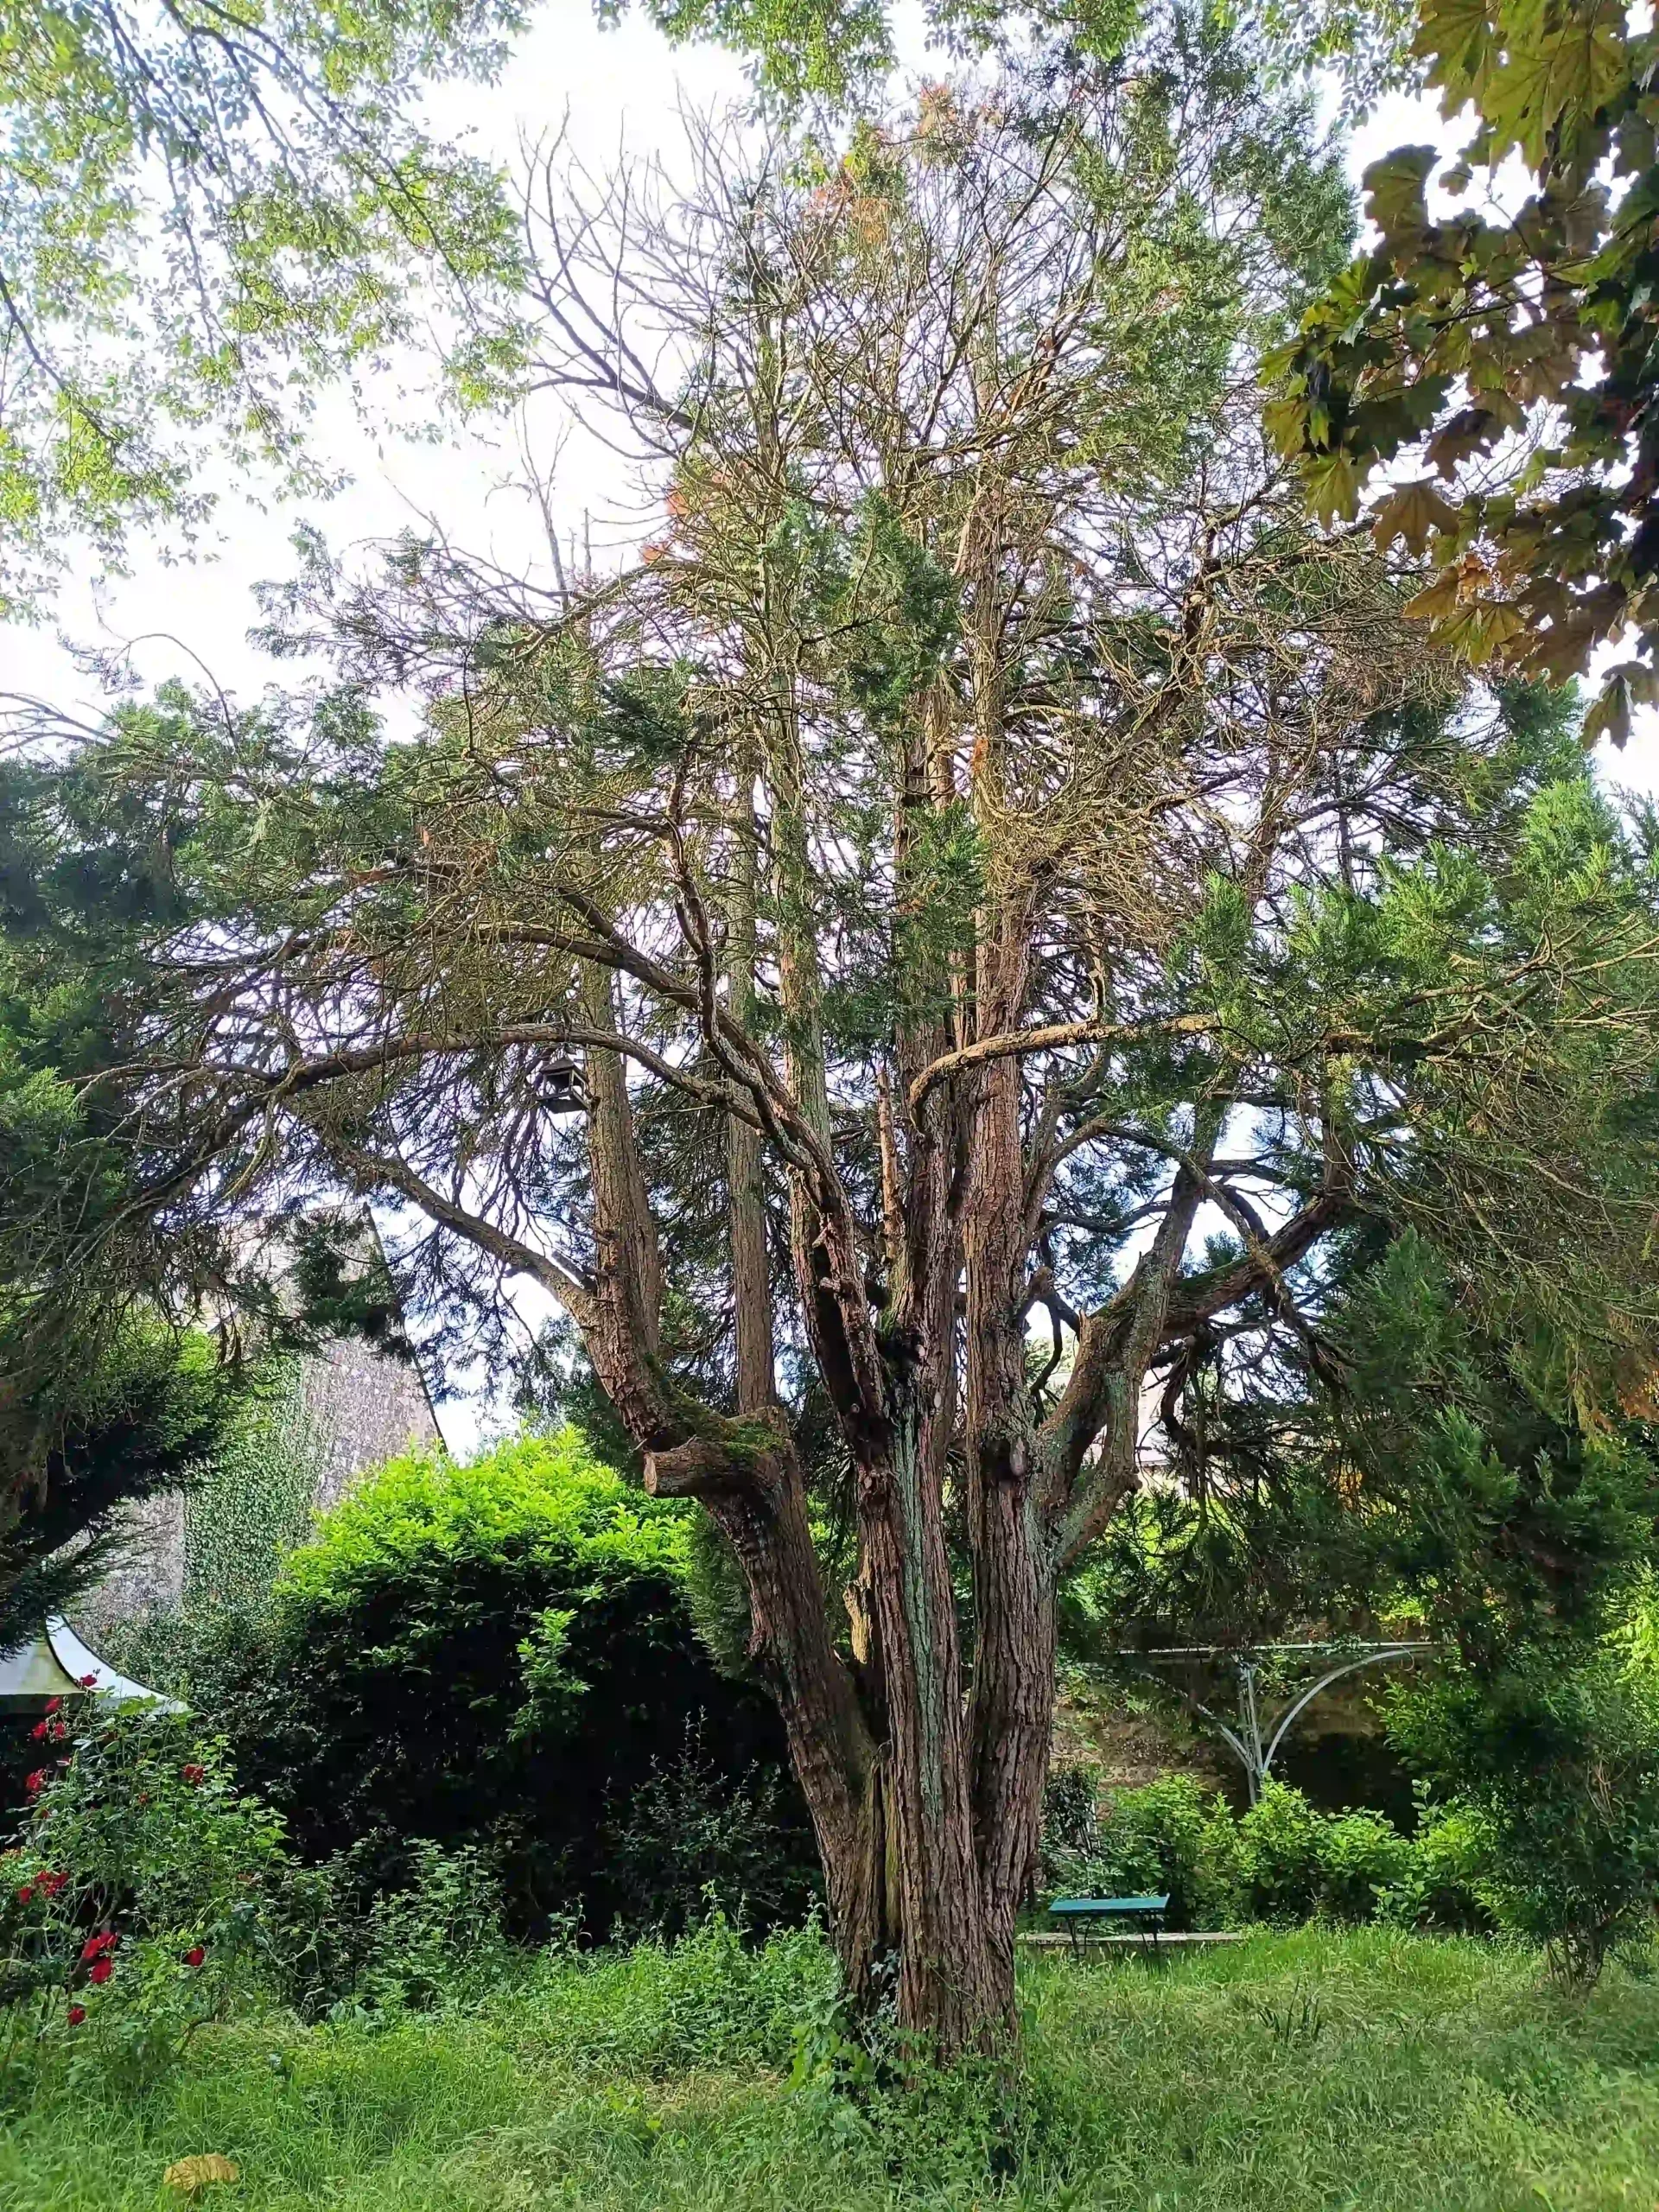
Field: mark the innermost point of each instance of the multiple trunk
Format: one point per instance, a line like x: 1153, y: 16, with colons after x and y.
x: 923, y: 1773
x: 923, y: 1767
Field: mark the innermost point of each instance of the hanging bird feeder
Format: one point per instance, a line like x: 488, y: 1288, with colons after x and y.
x: 564, y: 1087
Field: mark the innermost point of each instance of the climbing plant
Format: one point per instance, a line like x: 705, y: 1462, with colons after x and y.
x: 252, y: 1502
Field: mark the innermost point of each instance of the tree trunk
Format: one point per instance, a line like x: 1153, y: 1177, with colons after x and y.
x: 923, y: 1928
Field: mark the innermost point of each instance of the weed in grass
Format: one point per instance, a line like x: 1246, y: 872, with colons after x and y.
x: 1300, y: 2020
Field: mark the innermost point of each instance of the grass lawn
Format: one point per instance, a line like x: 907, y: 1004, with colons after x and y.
x: 1391, y: 2074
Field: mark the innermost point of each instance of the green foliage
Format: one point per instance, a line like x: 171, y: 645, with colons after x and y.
x: 1444, y: 1884
x: 251, y: 1501
x: 150, y: 1417
x: 1173, y: 1834
x: 1282, y: 1861
x: 1438, y: 1470
x: 502, y: 1655
x: 204, y: 222
x: 1294, y: 1862
x: 690, y: 1837
x: 654, y: 2078
x: 436, y: 1941
x: 1557, y: 1762
x: 1509, y: 352
x: 132, y: 1892
x: 1363, y: 1859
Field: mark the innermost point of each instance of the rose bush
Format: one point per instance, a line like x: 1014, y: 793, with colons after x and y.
x: 131, y: 1895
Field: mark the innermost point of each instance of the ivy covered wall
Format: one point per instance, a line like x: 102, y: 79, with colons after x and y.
x: 324, y: 1419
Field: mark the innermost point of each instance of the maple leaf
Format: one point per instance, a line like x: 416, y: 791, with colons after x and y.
x: 1332, y: 486
x: 1630, y: 684
x: 1482, y: 628
x: 1458, y: 38
x: 1395, y: 189
x: 1561, y: 81
x: 1435, y: 599
x: 1286, y: 422
x: 1412, y: 512
x: 1469, y: 431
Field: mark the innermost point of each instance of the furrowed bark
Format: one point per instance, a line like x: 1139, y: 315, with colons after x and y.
x: 1013, y: 1588
x: 754, y: 1489
x: 621, y: 1331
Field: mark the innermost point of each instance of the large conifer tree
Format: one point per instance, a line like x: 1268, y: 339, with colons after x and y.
x: 931, y: 956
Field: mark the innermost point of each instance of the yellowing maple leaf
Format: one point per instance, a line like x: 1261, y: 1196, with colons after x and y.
x: 1332, y: 486
x: 1435, y: 599
x: 1412, y: 512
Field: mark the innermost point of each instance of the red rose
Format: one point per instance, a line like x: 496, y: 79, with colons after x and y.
x: 96, y: 1946
x: 36, y: 1781
x: 77, y: 2014
x: 89, y: 1681
x: 52, y: 1703
x: 25, y: 1894
x: 193, y: 1958
x: 100, y: 1970
x: 37, y: 1733
x: 194, y: 1773
x: 49, y: 1884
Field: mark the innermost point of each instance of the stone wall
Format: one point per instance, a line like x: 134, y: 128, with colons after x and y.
x: 362, y: 1407
x: 357, y: 1407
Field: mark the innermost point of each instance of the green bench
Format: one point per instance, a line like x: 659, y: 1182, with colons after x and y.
x: 1083, y: 1916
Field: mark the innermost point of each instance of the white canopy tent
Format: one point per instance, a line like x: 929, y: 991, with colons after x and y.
x: 56, y: 1663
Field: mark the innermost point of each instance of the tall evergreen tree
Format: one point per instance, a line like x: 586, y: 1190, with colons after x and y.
x: 854, y: 959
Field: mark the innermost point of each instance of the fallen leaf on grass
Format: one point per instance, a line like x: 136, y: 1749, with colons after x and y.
x: 189, y: 2175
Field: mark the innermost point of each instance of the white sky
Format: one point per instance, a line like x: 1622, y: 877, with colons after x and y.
x: 623, y: 87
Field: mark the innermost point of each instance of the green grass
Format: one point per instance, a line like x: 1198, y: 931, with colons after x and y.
x: 1384, y: 2072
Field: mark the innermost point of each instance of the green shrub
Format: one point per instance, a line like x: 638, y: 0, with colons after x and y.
x: 1555, y: 1762
x: 1173, y: 1834
x: 132, y: 1894
x: 1362, y: 1857
x: 1442, y: 1884
x: 1282, y: 1861
x: 501, y: 1657
x: 690, y: 1836
x: 1281, y: 1856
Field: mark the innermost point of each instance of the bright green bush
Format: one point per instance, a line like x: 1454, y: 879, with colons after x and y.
x: 1283, y: 1861
x: 1281, y: 1856
x: 501, y: 1657
x: 1362, y: 1856
x: 1173, y: 1834
x: 1443, y: 1883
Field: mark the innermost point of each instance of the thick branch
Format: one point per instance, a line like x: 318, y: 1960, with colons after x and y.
x: 1057, y: 1037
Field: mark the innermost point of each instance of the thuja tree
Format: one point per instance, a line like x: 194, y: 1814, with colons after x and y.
x: 966, y: 921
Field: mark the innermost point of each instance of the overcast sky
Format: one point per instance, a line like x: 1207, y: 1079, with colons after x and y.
x: 624, y: 87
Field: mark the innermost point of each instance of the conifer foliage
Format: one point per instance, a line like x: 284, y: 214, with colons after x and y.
x: 930, y: 962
